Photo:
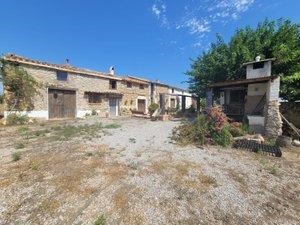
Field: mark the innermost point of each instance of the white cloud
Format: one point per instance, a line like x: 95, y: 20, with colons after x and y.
x: 159, y: 10
x: 156, y: 11
x: 198, y: 18
x: 196, y: 26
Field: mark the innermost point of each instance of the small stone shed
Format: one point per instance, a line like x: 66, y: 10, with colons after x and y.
x: 254, y: 99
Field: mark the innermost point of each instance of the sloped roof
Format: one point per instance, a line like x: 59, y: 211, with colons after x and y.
x: 242, y: 82
x: 136, y: 80
x: 60, y: 67
x: 262, y: 60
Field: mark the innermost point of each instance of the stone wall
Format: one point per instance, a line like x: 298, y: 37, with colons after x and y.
x: 131, y: 95
x: 273, y: 121
x: 159, y: 89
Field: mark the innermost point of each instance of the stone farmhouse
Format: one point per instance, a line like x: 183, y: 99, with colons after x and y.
x: 67, y: 91
x: 255, y: 98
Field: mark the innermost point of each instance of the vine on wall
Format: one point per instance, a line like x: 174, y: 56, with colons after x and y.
x: 20, y: 87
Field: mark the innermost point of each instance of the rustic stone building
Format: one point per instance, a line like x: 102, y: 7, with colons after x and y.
x: 255, y: 98
x: 169, y: 97
x: 67, y: 91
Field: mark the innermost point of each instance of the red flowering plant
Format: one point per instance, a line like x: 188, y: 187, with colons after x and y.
x: 217, y: 118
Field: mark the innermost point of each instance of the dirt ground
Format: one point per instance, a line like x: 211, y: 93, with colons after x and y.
x: 128, y: 171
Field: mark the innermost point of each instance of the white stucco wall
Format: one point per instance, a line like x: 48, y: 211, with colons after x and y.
x: 256, y: 73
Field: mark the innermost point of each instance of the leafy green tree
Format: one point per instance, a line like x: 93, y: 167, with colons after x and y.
x: 223, y: 61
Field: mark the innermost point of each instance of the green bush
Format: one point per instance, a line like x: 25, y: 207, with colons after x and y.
x: 222, y: 137
x: 152, y: 107
x: 200, y: 129
x: 16, y: 119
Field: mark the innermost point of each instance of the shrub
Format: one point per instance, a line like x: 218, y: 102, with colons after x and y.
x: 16, y: 119
x: 152, y: 107
x: 16, y: 156
x: 200, y: 129
x: 236, y: 129
x: 184, y: 133
x: 217, y: 118
x: 222, y: 137
x: 188, y: 133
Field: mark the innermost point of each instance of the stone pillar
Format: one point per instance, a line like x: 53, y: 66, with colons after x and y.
x: 273, y: 121
x: 209, y: 98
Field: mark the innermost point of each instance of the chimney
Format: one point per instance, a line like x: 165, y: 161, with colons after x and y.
x: 111, y: 70
x: 67, y: 62
x: 257, y: 58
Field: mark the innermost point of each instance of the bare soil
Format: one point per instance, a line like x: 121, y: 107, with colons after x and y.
x: 128, y: 171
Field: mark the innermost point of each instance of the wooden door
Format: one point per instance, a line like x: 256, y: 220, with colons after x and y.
x: 62, y: 103
x: 113, y: 109
x: 142, y: 105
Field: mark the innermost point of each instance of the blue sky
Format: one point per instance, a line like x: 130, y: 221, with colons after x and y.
x: 154, y: 39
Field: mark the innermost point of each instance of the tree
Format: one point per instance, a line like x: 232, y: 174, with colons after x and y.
x: 20, y: 87
x: 223, y: 61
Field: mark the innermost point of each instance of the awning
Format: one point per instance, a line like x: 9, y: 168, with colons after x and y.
x: 242, y: 82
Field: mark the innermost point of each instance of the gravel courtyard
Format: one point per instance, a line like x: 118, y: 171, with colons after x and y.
x: 128, y: 171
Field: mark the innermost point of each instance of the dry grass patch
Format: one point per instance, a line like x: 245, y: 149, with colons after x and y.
x: 49, y: 206
x: 123, y: 201
x: 184, y: 175
x: 239, y: 178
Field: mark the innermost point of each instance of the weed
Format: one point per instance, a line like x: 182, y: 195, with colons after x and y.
x: 101, y: 220
x: 16, y: 156
x: 132, y: 140
x: 271, y: 168
x: 23, y: 130
x: 112, y: 126
x: 67, y: 132
x: 34, y: 166
x: 89, y: 154
x: 16, y: 119
x: 20, y: 145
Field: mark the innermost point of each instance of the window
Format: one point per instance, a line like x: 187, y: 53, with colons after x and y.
x: 142, y: 86
x: 129, y: 84
x: 60, y: 75
x: 172, y: 90
x: 93, y: 97
x: 112, y: 84
x: 258, y: 65
x: 173, y: 105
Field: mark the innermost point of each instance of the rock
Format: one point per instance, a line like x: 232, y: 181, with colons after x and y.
x: 296, y: 143
x: 256, y: 137
x: 284, y: 141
